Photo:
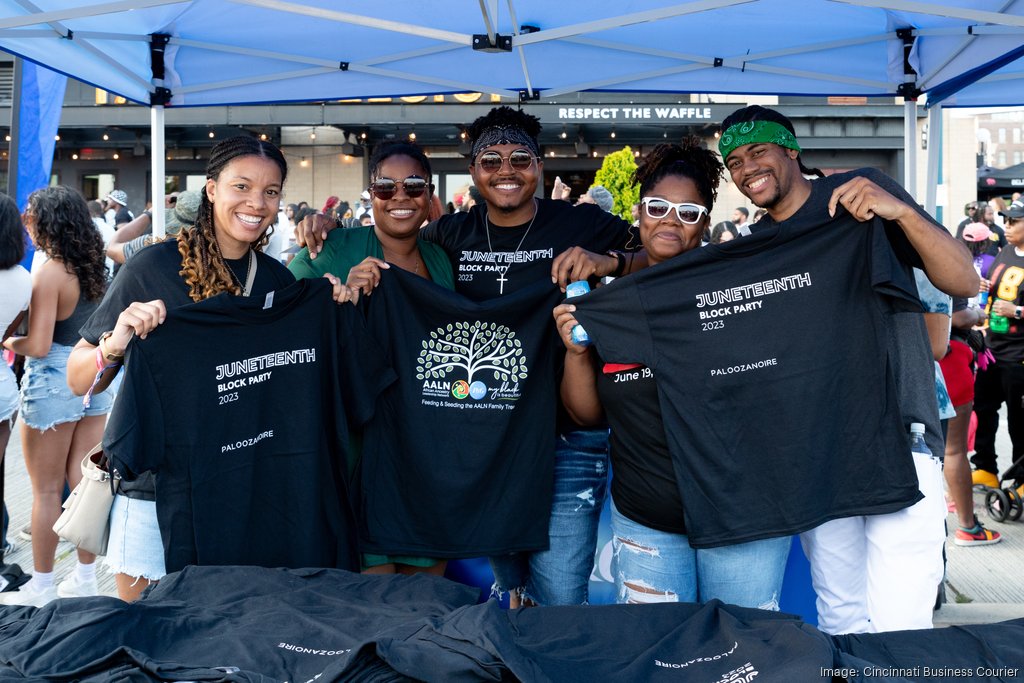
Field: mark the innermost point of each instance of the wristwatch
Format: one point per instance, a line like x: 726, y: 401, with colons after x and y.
x: 620, y: 263
x: 109, y: 357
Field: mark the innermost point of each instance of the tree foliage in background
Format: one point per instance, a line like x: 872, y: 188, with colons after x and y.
x: 616, y: 175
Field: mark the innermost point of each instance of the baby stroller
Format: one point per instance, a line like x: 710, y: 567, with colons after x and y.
x: 1007, y: 502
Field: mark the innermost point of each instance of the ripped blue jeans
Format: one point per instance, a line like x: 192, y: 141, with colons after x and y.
x: 656, y: 566
x: 561, y: 574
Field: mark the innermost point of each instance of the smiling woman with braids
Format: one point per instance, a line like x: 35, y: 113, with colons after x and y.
x: 220, y: 253
x: 654, y: 560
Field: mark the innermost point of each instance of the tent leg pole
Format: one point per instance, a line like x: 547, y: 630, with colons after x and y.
x: 909, y: 149
x: 934, y: 153
x: 158, y: 168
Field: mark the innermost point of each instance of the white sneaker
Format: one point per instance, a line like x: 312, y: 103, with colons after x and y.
x: 74, y: 587
x: 29, y: 594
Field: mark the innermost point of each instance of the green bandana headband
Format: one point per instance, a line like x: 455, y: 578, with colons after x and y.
x: 750, y: 132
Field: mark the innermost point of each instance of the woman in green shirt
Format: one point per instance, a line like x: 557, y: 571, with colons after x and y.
x: 401, y: 189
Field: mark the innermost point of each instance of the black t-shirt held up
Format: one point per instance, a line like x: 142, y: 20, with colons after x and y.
x: 459, y: 459
x: 154, y: 273
x: 242, y: 406
x: 779, y: 416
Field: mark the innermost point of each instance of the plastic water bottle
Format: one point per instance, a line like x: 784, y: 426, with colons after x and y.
x: 578, y: 334
x: 999, y: 324
x: 917, y: 442
x: 982, y: 296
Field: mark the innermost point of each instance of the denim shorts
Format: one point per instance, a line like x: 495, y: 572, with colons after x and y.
x: 46, y: 400
x: 9, y: 397
x: 135, y: 547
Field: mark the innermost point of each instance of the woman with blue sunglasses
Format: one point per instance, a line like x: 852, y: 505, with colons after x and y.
x: 653, y: 561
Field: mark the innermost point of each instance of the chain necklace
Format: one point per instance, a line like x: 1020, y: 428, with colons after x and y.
x: 247, y: 286
x: 501, y: 273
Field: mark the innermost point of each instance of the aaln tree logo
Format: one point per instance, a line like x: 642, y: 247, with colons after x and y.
x: 476, y: 348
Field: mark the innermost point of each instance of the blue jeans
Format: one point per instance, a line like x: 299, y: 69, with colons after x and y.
x: 656, y: 566
x: 561, y: 574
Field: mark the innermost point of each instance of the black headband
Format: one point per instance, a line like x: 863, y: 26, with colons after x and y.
x: 505, y: 135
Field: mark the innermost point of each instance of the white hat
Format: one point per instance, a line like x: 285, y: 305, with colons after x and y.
x: 118, y: 196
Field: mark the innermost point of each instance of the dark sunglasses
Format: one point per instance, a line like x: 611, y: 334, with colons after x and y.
x: 519, y: 160
x: 386, y: 188
x: 656, y: 207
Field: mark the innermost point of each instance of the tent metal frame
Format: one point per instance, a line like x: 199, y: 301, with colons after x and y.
x: 984, y: 23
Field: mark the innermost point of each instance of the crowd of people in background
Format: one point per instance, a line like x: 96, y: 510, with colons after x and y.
x: 873, y: 568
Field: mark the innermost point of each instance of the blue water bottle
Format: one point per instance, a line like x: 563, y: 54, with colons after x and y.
x: 982, y: 296
x: 917, y: 442
x: 578, y: 334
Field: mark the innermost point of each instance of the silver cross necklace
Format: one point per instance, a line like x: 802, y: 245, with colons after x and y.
x: 501, y: 273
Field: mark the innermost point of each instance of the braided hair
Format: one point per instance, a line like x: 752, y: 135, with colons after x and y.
x: 202, y: 264
x: 689, y: 159
x: 64, y: 230
x: 756, y: 112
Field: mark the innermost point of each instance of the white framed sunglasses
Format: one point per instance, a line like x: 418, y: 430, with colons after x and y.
x: 656, y: 207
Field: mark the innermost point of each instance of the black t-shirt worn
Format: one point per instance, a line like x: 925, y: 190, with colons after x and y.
x: 527, y: 250
x: 459, y: 459
x: 122, y: 216
x: 154, y: 274
x: 770, y: 404
x: 644, y: 484
x: 1007, y: 277
x: 239, y: 406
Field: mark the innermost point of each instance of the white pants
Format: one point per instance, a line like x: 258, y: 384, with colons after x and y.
x: 881, y: 572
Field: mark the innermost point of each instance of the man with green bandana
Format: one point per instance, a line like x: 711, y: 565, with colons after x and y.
x: 880, y: 572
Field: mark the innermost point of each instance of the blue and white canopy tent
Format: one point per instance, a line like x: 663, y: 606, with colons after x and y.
x: 182, y: 53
